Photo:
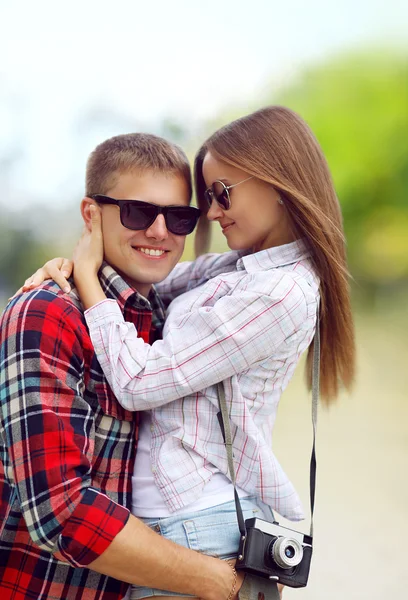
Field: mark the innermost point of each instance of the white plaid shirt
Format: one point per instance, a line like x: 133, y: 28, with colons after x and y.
x: 244, y: 320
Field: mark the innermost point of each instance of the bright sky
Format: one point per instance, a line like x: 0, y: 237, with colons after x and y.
x: 147, y: 60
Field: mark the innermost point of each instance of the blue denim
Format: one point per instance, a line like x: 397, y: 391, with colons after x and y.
x: 213, y: 531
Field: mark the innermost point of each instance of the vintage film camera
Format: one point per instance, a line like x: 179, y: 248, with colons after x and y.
x: 274, y: 552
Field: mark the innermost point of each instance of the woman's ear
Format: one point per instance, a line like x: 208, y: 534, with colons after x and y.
x: 85, y: 211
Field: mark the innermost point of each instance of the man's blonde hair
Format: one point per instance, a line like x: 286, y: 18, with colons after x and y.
x: 139, y: 152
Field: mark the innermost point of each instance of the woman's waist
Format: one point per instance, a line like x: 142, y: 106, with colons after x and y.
x: 147, y: 501
x: 181, y: 473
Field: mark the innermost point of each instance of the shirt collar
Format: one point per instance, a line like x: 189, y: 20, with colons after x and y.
x: 270, y: 258
x: 116, y: 288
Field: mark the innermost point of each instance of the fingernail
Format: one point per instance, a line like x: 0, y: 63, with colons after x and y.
x: 66, y: 289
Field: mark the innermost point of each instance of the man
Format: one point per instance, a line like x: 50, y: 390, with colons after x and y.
x: 67, y: 447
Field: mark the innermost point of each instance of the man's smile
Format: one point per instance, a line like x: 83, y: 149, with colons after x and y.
x: 151, y: 252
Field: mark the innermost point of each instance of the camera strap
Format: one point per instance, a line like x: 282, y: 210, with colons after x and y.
x: 223, y: 418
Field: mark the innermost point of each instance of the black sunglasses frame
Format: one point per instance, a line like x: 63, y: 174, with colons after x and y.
x: 158, y: 210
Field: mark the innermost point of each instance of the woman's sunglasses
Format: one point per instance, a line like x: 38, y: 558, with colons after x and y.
x: 219, y: 192
x: 137, y: 215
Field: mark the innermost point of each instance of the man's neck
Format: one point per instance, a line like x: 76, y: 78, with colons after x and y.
x: 141, y: 288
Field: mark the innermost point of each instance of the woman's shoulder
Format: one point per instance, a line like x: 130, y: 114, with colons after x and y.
x: 282, y: 282
x: 216, y: 262
x: 277, y: 269
x: 211, y: 265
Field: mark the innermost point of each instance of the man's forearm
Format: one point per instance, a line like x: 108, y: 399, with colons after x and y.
x: 140, y: 556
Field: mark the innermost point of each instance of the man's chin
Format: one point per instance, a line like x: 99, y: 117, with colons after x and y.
x: 139, y: 272
x: 137, y: 279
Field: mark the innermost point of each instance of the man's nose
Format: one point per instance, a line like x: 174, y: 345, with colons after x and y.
x: 215, y: 211
x: 158, y: 229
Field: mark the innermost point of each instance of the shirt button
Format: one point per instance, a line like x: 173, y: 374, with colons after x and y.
x: 153, y: 469
x: 151, y: 427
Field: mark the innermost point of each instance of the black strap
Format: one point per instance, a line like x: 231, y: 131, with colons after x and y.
x: 222, y: 419
x: 315, y: 401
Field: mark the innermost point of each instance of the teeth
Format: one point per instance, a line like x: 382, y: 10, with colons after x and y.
x: 151, y: 252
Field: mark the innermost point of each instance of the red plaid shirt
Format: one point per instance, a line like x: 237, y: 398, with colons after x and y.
x: 67, y: 447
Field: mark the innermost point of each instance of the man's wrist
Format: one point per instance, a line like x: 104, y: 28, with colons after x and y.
x: 221, y: 582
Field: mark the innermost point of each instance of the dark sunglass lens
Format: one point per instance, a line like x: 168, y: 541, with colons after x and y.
x: 136, y: 216
x: 181, y: 221
x: 208, y: 197
x: 221, y: 194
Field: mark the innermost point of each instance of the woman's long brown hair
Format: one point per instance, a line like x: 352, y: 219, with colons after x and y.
x: 274, y: 144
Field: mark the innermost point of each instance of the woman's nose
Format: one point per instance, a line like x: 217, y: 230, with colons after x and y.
x: 215, y: 211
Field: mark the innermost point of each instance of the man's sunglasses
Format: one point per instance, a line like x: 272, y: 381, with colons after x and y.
x: 219, y: 192
x: 137, y: 215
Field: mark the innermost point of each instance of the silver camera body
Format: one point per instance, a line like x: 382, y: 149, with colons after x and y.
x: 274, y: 552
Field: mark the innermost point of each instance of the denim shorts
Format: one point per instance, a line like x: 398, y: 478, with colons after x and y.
x: 213, y: 531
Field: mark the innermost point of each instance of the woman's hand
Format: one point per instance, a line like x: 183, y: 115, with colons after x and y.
x: 58, y: 269
x: 88, y: 257
x: 88, y: 253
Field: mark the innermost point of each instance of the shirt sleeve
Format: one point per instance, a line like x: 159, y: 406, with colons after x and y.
x: 176, y: 282
x: 48, y: 429
x: 188, y: 275
x: 203, y: 347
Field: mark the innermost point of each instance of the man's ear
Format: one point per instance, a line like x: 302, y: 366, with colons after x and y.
x: 85, y: 211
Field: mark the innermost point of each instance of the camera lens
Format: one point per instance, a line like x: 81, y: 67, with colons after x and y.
x: 286, y: 552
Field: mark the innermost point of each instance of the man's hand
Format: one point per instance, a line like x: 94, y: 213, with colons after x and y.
x: 240, y: 580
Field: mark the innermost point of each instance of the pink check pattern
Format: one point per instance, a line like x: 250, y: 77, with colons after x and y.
x: 243, y: 320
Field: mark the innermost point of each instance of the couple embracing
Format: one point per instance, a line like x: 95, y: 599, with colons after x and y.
x: 113, y: 468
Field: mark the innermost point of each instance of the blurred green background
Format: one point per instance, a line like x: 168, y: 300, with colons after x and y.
x: 357, y: 105
x: 354, y: 95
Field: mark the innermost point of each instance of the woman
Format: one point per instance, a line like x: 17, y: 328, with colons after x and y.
x: 243, y: 318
